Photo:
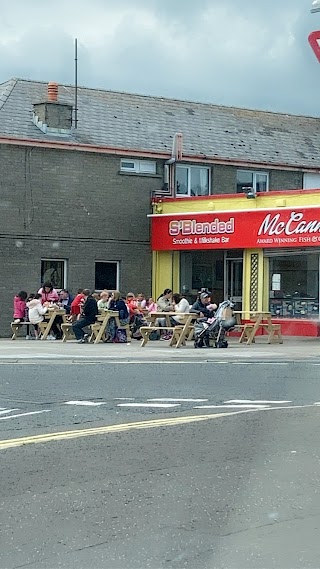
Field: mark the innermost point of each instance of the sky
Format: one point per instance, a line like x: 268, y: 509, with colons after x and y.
x: 249, y: 53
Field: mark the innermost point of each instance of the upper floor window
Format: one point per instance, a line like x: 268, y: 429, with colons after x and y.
x: 259, y: 181
x: 192, y: 181
x: 311, y: 181
x: 138, y: 166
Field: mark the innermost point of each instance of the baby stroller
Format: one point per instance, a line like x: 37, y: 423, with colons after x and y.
x: 213, y: 330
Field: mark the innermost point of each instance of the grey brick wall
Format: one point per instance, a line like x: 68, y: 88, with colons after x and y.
x: 74, y: 206
x: 224, y: 179
x: 282, y: 180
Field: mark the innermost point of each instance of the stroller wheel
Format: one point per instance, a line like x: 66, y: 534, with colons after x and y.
x: 221, y: 344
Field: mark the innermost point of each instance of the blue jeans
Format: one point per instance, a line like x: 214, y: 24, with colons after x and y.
x: 78, y: 326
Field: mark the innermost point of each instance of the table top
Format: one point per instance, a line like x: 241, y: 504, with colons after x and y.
x: 52, y: 309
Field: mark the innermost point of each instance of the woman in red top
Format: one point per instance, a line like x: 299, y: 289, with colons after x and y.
x: 76, y: 304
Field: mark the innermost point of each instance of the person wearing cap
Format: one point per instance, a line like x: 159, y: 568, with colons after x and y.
x: 203, y: 306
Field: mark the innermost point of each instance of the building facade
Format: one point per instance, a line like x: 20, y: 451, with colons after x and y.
x: 262, y: 253
x: 75, y: 202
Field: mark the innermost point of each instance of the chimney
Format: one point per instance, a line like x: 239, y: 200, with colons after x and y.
x: 52, y: 115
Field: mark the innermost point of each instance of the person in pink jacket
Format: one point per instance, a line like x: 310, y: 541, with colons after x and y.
x: 48, y: 293
x: 20, y: 309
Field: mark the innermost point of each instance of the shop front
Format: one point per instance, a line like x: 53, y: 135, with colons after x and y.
x: 263, y: 256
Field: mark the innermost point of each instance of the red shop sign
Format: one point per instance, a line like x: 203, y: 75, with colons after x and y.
x: 298, y: 227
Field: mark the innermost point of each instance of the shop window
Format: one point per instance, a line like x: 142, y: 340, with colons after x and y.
x: 192, y: 181
x: 259, y: 181
x: 106, y: 275
x: 294, y: 286
x: 54, y: 271
x: 138, y: 166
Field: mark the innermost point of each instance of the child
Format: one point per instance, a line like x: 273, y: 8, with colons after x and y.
x: 36, y: 312
x: 20, y: 308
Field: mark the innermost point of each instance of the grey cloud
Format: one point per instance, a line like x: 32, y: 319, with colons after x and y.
x: 249, y: 53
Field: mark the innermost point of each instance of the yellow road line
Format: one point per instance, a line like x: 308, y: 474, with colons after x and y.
x: 122, y: 427
x: 109, y: 429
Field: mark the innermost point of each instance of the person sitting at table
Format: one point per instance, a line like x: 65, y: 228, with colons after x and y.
x: 48, y: 293
x: 76, y: 305
x: 65, y: 300
x: 117, y: 304
x: 141, y: 300
x: 88, y: 316
x: 203, y: 306
x: 103, y: 302
x: 36, y: 310
x: 151, y: 305
x: 136, y: 317
x: 181, y: 306
x: 164, y: 301
x: 165, y: 304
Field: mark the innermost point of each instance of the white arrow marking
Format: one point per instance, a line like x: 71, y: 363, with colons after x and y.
x: 8, y: 411
x: 259, y: 401
x: 85, y: 403
x: 24, y: 414
x: 247, y: 406
x: 171, y: 399
x: 150, y: 405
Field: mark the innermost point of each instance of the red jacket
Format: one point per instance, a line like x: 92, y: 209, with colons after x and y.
x: 19, y: 307
x: 76, y: 304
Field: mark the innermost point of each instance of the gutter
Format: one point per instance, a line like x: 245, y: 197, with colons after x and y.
x: 135, y: 153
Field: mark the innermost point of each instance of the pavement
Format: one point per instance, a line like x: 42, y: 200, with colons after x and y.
x: 293, y: 348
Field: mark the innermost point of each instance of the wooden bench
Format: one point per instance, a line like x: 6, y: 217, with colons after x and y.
x: 147, y: 330
x: 274, y: 332
x: 67, y: 331
x: 15, y: 327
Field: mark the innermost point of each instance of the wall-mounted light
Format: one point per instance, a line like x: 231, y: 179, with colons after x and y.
x: 250, y: 192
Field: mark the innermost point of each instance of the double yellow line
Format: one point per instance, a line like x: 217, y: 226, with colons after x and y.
x: 109, y: 429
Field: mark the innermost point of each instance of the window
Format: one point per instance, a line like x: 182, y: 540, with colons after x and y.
x: 259, y: 181
x: 107, y: 275
x: 139, y: 166
x: 294, y: 285
x: 55, y: 271
x: 192, y: 181
x: 311, y: 181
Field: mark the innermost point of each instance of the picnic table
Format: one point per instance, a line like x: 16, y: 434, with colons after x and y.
x: 250, y: 321
x: 49, y: 318
x: 99, y: 328
x: 180, y: 333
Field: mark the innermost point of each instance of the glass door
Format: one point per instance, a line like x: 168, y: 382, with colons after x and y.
x: 233, y: 281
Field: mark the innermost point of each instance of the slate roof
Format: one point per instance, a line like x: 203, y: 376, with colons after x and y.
x: 137, y: 122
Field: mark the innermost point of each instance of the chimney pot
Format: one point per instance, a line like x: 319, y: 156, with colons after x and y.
x: 52, y: 91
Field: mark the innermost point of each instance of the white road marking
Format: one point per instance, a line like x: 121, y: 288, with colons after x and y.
x: 25, y: 414
x: 247, y: 406
x: 150, y: 405
x: 172, y: 400
x: 85, y: 403
x: 259, y: 401
x: 4, y: 411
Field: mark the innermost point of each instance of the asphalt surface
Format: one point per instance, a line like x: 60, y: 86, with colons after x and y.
x: 239, y: 487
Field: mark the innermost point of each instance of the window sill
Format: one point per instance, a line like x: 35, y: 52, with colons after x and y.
x: 142, y: 175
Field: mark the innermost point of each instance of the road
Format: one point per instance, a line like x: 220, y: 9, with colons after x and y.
x: 149, y: 465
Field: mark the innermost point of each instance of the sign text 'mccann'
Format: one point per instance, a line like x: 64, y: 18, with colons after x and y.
x: 193, y: 227
x: 295, y: 225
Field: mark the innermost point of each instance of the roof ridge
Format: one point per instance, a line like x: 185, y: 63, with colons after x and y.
x: 170, y: 99
x: 6, y: 92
